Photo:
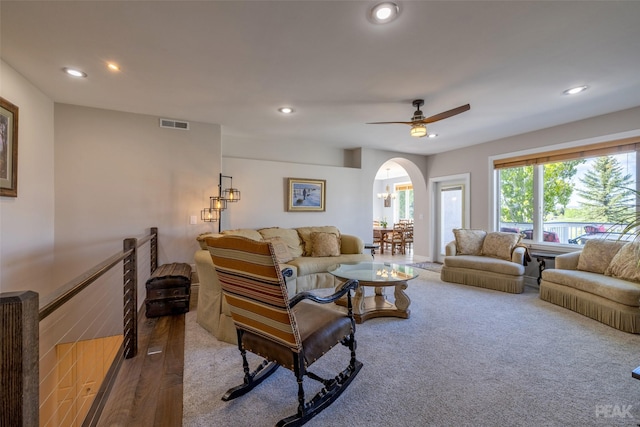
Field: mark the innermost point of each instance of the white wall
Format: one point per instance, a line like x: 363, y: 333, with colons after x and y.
x: 305, y: 153
x: 263, y: 185
x: 27, y: 221
x: 117, y: 174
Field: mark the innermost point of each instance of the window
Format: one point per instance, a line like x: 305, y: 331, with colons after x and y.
x: 404, y: 206
x: 569, y: 196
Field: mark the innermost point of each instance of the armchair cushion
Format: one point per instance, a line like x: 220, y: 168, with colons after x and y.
x: 486, y: 264
x: 500, y: 244
x: 469, y: 242
x: 597, y: 255
x: 625, y: 264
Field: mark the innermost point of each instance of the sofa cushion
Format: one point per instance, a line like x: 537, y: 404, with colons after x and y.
x: 324, y: 244
x: 280, y: 248
x: 597, y: 254
x: 313, y: 265
x: 612, y: 288
x: 305, y: 235
x: 244, y: 232
x: 626, y: 263
x: 288, y: 235
x: 469, y: 242
x: 483, y: 263
x: 500, y: 244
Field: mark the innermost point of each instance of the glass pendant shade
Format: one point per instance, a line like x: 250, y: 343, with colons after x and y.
x: 418, y: 131
x: 209, y: 215
x: 231, y: 195
x: 218, y: 203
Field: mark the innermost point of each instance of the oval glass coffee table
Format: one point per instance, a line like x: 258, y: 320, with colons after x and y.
x: 377, y: 275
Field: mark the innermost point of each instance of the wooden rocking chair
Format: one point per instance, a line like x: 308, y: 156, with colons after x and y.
x: 290, y: 333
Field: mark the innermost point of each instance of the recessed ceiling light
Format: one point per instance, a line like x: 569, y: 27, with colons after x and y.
x: 384, y: 12
x: 73, y: 72
x: 575, y: 90
x: 286, y: 110
x: 113, y: 66
x: 432, y: 135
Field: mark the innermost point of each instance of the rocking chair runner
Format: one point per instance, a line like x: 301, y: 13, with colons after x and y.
x: 292, y: 334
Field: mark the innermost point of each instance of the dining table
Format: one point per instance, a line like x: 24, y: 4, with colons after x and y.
x: 383, y: 233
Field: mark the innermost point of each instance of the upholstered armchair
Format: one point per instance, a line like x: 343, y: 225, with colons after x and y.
x: 487, y: 260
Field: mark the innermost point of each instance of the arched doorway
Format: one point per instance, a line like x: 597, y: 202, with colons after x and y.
x: 393, y: 194
x: 407, y: 172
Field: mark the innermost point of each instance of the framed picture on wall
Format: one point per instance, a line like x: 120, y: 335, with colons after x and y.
x: 306, y: 195
x: 8, y: 149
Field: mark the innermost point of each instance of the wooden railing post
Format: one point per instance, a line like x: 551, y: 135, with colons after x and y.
x: 19, y: 364
x: 130, y: 285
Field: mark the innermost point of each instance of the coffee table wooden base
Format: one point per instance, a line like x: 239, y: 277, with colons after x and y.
x: 369, y: 307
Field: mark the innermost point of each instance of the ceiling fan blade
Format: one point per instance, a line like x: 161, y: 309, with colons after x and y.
x: 446, y: 114
x: 389, y: 123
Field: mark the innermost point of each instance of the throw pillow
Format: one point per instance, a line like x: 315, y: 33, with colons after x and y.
x: 305, y: 235
x: 324, y: 244
x: 500, y: 244
x: 597, y: 254
x: 280, y: 249
x: 625, y: 264
x: 469, y: 242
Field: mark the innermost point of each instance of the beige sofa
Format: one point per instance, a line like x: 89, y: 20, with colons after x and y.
x: 307, y: 251
x: 487, y: 260
x: 600, y: 282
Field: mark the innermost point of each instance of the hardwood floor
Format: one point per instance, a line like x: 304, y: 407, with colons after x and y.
x: 148, y: 388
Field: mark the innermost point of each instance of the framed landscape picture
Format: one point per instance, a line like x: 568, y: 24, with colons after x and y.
x: 8, y: 149
x: 306, y: 195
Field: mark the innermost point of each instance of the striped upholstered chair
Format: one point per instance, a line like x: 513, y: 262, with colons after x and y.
x: 290, y: 333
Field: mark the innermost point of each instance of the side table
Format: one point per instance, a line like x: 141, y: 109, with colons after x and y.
x: 541, y: 256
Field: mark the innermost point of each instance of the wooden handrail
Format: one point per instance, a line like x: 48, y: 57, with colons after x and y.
x: 73, y: 287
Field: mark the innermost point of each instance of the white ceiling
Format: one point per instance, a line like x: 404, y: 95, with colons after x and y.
x: 235, y: 62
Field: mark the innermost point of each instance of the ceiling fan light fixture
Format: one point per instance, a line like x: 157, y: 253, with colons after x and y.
x: 418, y: 131
x: 383, y: 13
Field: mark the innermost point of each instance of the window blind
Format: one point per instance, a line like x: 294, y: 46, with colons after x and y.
x: 575, y: 153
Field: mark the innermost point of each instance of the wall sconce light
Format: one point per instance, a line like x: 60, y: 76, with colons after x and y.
x: 219, y: 203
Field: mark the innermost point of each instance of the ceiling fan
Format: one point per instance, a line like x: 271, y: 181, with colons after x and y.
x: 418, y: 121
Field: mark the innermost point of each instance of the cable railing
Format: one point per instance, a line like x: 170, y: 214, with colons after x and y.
x: 24, y: 387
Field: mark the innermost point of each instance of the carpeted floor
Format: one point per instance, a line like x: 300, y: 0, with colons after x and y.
x: 466, y: 357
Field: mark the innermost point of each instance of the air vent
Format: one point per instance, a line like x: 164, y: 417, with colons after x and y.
x: 174, y: 124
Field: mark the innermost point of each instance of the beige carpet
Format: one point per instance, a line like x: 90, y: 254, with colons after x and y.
x: 466, y: 357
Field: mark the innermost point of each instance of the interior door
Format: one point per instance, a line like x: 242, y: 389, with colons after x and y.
x: 450, y: 213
